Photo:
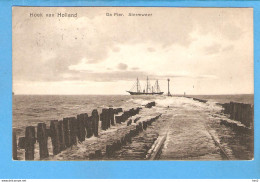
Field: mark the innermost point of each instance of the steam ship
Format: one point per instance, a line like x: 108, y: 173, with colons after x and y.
x: 148, y: 90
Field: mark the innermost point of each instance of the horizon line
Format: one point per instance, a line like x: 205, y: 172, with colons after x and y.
x: 130, y: 95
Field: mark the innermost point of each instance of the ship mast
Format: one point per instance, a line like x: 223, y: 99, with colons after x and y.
x: 157, y: 86
x: 147, y: 85
x: 168, y: 87
x: 137, y: 85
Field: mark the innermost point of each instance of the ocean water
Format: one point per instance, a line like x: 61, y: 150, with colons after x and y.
x: 186, y: 131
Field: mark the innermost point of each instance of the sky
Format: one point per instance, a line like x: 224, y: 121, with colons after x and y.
x: 201, y: 50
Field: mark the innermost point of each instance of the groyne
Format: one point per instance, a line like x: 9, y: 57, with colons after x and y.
x: 244, y: 113
x: 240, y: 112
x: 71, y: 131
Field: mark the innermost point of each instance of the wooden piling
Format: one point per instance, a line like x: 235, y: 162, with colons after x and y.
x: 74, y: 130
x: 42, y: 140
x: 29, y: 142
x: 95, y: 118
x: 104, y: 119
x: 140, y: 126
x: 144, y: 125
x: 239, y: 112
x: 91, y: 156
x: 55, y: 136
x: 251, y: 124
x: 109, y: 150
x: 119, y: 110
x: 136, y: 119
x: 82, y: 126
x: 14, y: 146
x: 242, y: 115
x: 108, y: 119
x: 89, y: 122
x: 118, y: 119
x: 21, y: 142
x: 112, y: 116
x: 98, y: 154
x: 67, y: 132
x: 128, y: 137
x: 123, y: 140
x: 132, y: 133
x: 114, y: 146
x: 231, y: 110
x: 118, y: 144
x: 129, y: 122
x: 250, y: 119
x: 62, y: 136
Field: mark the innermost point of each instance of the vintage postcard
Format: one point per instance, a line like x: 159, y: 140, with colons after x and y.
x: 132, y: 83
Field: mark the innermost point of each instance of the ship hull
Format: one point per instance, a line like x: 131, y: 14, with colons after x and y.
x: 143, y: 93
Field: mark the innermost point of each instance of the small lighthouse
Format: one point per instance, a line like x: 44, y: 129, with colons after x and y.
x: 169, y: 94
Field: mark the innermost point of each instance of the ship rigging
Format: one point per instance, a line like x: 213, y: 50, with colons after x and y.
x: 148, y: 90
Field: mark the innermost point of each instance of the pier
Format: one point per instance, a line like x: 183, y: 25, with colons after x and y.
x: 175, y: 128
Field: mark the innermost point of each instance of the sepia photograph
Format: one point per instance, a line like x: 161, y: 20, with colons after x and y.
x: 132, y: 83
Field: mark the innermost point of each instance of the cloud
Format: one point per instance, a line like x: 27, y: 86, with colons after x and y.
x: 94, y: 47
x: 150, y: 49
x: 228, y: 48
x: 212, y: 49
x: 122, y: 66
x: 116, y: 49
x: 135, y: 68
x: 207, y: 76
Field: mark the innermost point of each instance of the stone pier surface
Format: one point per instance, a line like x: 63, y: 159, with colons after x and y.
x: 187, y: 136
x: 192, y: 130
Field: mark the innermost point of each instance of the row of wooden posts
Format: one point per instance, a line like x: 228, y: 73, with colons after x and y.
x: 240, y: 112
x: 116, y: 145
x: 200, y: 100
x: 69, y: 131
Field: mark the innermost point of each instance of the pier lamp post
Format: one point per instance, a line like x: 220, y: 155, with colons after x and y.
x: 168, y: 87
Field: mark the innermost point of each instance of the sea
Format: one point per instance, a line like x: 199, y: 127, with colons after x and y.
x: 29, y: 110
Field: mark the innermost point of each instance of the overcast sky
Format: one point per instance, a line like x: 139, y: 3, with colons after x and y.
x: 202, y: 50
